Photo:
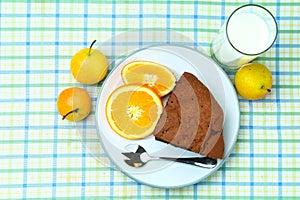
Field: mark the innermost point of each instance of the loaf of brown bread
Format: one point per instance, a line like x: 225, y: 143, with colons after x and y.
x: 192, y: 119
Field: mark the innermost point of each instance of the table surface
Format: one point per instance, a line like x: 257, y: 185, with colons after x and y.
x: 42, y: 156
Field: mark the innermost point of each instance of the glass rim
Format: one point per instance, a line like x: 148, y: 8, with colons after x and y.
x: 261, y: 7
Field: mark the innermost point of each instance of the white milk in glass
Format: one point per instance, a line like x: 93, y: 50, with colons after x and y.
x: 248, y: 34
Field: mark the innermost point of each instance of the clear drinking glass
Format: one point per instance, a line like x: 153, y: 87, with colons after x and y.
x: 249, y: 31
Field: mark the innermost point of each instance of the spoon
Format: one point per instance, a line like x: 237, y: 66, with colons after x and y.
x: 138, y: 157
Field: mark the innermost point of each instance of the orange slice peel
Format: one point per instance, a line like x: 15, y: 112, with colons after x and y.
x: 150, y: 74
x: 132, y: 111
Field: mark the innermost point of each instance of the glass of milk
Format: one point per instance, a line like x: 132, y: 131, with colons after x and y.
x: 249, y: 31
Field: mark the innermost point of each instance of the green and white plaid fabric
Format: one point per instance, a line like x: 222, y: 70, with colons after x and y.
x: 42, y: 157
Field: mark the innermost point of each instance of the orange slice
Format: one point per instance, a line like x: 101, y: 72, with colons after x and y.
x: 153, y: 75
x: 132, y: 111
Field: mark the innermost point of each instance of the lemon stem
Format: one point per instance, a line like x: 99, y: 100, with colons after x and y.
x: 72, y: 111
x: 269, y: 90
x: 91, y: 46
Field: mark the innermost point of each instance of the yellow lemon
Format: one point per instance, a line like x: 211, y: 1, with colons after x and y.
x: 89, y: 66
x: 253, y: 81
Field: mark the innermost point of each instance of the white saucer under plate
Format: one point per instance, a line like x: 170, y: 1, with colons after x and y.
x: 163, y: 173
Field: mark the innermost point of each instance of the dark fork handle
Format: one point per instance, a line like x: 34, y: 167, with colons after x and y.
x: 205, y: 162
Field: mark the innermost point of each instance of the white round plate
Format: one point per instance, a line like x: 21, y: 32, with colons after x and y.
x: 163, y: 173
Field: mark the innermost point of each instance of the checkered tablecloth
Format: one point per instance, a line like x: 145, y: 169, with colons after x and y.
x: 42, y: 156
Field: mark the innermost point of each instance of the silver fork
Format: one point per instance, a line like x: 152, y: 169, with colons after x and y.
x: 140, y: 157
